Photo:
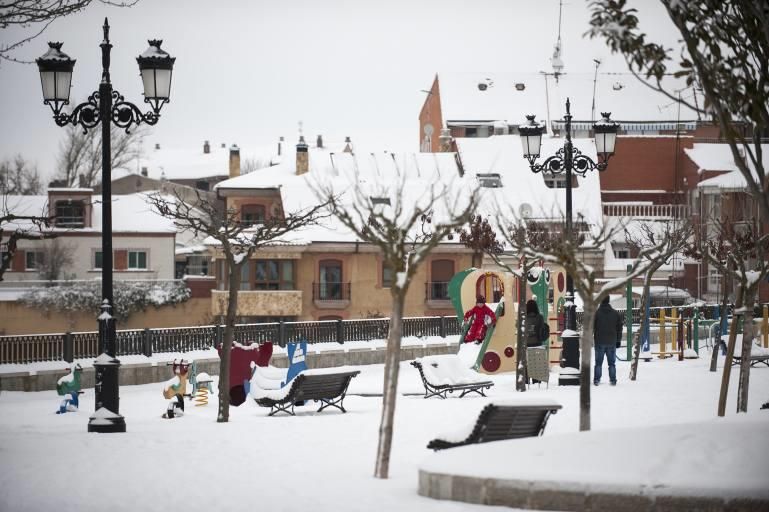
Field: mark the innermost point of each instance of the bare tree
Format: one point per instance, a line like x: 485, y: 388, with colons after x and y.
x: 738, y: 252
x: 80, y: 154
x: 237, y: 242
x: 724, y: 51
x: 37, y: 15
x: 19, y: 177
x: 679, y: 235
x: 19, y: 226
x: 57, y: 257
x: 479, y: 236
x: 405, y: 218
x: 551, y: 244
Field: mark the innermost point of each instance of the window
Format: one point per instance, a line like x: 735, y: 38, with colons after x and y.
x: 34, y: 260
x: 251, y: 214
x: 202, y: 185
x: 330, y: 286
x: 714, y: 280
x: 471, y: 132
x: 97, y: 260
x: 70, y: 214
x: 245, y: 280
x: 621, y: 251
x: 197, y: 265
x: 441, y: 272
x: 137, y: 260
x: 388, y: 275
x: 489, y: 180
x: 274, y: 275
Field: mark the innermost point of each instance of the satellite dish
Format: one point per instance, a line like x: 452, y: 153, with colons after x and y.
x: 428, y: 129
x: 525, y: 210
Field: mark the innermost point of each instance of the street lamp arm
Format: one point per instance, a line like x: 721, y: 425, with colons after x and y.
x: 85, y: 114
x: 557, y: 163
x: 125, y: 114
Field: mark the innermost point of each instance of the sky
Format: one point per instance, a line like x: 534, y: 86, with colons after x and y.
x: 247, y: 73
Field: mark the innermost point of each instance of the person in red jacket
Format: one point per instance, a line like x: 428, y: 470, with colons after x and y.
x: 482, y: 316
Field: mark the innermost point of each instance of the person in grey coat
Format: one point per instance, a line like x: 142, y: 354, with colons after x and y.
x: 607, y: 335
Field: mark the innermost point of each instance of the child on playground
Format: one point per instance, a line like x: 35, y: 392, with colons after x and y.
x: 481, y: 317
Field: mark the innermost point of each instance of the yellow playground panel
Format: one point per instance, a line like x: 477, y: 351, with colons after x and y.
x: 502, y: 290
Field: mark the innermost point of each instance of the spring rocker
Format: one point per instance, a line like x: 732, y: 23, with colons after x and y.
x: 68, y: 387
x: 175, y: 389
x: 501, y: 290
x: 202, y: 385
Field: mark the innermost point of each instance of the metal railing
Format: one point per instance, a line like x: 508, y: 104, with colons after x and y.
x: 331, y: 291
x: 23, y: 349
x: 437, y: 290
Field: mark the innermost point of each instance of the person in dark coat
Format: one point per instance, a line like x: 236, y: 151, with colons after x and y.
x: 537, y: 331
x: 482, y: 316
x: 607, y: 335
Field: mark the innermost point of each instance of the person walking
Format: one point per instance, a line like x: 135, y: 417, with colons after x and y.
x: 537, y: 331
x: 607, y: 335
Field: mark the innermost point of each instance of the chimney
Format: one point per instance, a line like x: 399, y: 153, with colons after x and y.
x: 81, y: 181
x: 234, y: 161
x: 157, y: 145
x: 144, y: 172
x: 319, y: 142
x: 302, y: 157
x: 347, y: 145
x: 206, y: 148
x: 280, y: 146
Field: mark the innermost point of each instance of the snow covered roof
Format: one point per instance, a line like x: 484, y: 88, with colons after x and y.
x: 718, y: 157
x: 510, y: 96
x: 130, y: 214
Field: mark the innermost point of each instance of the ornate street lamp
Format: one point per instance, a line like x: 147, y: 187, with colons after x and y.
x: 106, y: 106
x: 569, y: 159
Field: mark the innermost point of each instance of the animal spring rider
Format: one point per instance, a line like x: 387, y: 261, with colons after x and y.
x: 201, y: 385
x: 176, y: 388
x: 69, y: 388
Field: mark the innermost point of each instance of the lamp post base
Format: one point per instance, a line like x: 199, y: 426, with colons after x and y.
x: 569, y: 374
x: 106, y: 425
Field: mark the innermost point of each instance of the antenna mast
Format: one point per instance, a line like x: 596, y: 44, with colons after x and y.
x: 595, y: 80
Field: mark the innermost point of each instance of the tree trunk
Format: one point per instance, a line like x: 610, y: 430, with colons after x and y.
x: 392, y: 365
x: 729, y: 354
x: 521, y: 367
x: 477, y: 259
x: 586, y: 347
x: 229, y: 334
x: 643, y: 326
x: 747, y: 344
x: 717, y: 344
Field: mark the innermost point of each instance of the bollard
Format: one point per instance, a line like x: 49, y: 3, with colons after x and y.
x: 663, y: 341
x: 766, y: 325
x: 673, y: 329
x: 697, y: 331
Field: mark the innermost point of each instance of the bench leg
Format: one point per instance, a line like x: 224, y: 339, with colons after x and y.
x: 337, y: 402
x: 431, y: 392
x: 287, y: 408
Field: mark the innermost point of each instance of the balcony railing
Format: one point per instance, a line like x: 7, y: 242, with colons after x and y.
x: 330, y: 291
x: 71, y: 221
x: 675, y: 211
x: 437, y: 290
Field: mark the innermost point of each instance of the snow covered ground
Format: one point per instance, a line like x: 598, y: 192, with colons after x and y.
x: 660, y: 430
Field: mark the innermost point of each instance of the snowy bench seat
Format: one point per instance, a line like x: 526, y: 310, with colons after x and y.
x: 446, y: 373
x: 328, y: 386
x: 758, y: 355
x: 499, y: 421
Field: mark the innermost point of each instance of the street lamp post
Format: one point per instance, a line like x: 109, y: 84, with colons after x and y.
x: 106, y: 106
x: 569, y: 160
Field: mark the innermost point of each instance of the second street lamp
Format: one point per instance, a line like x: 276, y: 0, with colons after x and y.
x: 569, y: 160
x: 106, y: 106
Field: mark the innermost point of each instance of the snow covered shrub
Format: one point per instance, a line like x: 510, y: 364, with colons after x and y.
x: 129, y: 297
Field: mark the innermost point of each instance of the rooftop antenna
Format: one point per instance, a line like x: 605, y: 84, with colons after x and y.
x: 595, y: 80
x: 556, y: 60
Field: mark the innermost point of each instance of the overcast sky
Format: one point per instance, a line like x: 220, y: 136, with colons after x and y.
x: 248, y: 71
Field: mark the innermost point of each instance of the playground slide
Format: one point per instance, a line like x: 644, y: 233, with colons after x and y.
x: 487, y: 339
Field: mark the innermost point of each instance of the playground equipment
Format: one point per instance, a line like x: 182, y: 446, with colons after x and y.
x: 502, y: 290
x: 202, y: 385
x: 175, y: 388
x: 68, y: 387
x: 241, y: 357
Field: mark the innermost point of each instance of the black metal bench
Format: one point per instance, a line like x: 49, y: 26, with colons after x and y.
x: 754, y: 360
x: 499, y: 422
x: 442, y: 390
x: 328, y: 388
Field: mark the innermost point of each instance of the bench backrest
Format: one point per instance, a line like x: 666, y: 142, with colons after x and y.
x: 324, y: 386
x: 499, y: 422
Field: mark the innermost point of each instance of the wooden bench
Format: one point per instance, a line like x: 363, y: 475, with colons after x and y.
x: 442, y: 390
x: 498, y: 422
x: 328, y: 388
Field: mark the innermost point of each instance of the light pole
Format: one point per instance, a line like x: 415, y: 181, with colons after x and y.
x: 569, y: 160
x: 106, y: 106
